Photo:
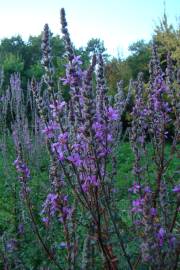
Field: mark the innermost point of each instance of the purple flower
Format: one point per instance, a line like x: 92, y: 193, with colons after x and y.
x: 135, y: 188
x: 92, y: 180
x: 21, y: 228
x: 75, y: 159
x: 145, y: 252
x: 25, y: 170
x: 57, y: 107
x: 160, y: 236
x: 67, y: 212
x: 103, y: 152
x: 50, y: 207
x: 112, y: 114
x: 99, y: 130
x: 147, y: 190
x: 56, y: 204
x: 176, y: 189
x: 62, y: 138
x: 50, y: 129
x: 172, y: 241
x: 74, y: 74
x: 11, y: 245
x: 85, y: 186
x: 45, y: 220
x: 60, y: 156
x: 153, y: 212
x: 76, y: 146
x: 138, y: 223
x: 2, y: 98
x: 52, y: 203
x: 141, y: 139
x: 60, y: 146
x: 145, y: 112
x: 109, y: 138
x: 137, y: 205
x: 22, y: 168
x: 59, y: 149
x: 77, y: 60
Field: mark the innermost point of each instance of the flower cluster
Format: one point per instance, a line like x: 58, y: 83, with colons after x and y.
x: 24, y: 175
x: 56, y: 205
x: 22, y: 168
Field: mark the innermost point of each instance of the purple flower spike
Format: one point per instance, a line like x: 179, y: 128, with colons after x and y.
x: 22, y: 168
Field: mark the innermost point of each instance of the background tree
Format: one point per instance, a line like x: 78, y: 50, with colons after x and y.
x: 138, y: 60
x: 96, y: 46
x: 167, y: 38
x: 117, y: 69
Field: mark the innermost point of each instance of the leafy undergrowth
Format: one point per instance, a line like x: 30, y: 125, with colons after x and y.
x: 11, y: 209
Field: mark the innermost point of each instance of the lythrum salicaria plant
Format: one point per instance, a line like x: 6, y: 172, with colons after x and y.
x: 80, y: 139
x: 79, y: 224
x: 156, y: 203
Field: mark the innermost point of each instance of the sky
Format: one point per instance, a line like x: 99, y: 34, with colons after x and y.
x: 118, y: 23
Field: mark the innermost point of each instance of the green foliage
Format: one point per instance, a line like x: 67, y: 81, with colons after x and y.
x: 25, y: 58
x: 14, y: 45
x: 139, y: 58
x: 95, y: 45
x: 36, y: 71
x: 12, y: 63
x: 117, y: 70
x: 167, y: 38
